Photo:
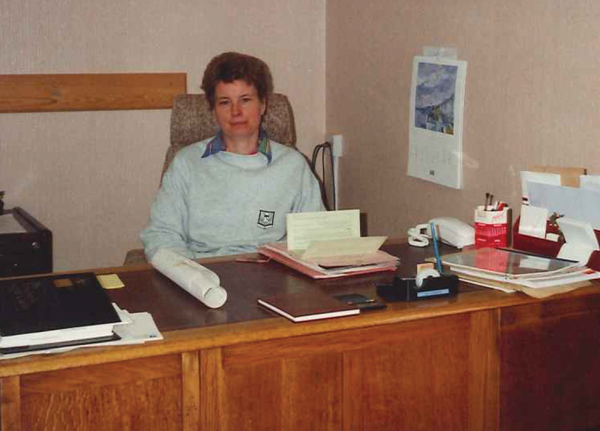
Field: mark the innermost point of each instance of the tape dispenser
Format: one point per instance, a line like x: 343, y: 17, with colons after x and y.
x: 427, y: 284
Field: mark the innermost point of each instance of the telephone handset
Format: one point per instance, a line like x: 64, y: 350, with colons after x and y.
x: 449, y: 230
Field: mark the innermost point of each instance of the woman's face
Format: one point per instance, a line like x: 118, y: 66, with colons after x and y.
x: 238, y: 110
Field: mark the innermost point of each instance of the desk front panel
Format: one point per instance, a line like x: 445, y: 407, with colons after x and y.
x: 140, y: 395
x: 403, y: 376
x: 550, y: 366
x: 414, y: 375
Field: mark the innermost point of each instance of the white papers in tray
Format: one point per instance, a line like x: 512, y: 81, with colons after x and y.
x: 580, y: 240
x: 575, y: 203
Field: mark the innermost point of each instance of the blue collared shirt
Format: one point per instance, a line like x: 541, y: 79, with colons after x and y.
x: 216, y: 145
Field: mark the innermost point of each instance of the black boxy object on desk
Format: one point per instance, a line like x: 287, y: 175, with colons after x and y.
x: 28, y: 252
x: 54, y: 311
x: 406, y: 289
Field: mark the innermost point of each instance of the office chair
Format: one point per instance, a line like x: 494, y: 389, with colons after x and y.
x: 192, y: 121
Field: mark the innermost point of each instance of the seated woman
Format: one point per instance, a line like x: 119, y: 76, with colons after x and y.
x: 231, y: 193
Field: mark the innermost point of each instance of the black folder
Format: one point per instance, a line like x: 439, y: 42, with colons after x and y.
x: 75, y: 305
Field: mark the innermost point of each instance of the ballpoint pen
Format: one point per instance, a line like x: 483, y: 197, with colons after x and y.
x: 438, y: 259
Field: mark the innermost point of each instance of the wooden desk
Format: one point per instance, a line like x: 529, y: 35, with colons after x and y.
x: 485, y: 360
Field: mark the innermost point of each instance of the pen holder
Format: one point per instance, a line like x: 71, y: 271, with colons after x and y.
x: 492, y: 227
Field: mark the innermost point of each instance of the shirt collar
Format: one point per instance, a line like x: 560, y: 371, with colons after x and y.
x: 216, y: 145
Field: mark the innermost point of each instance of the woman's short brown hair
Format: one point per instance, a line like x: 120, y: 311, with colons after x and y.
x: 231, y: 66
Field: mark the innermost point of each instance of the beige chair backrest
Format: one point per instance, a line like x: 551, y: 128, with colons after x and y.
x: 192, y: 121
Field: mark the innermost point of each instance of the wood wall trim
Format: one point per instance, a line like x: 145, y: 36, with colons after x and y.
x: 89, y: 92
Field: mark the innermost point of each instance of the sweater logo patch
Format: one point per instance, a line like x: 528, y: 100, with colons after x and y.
x: 266, y: 219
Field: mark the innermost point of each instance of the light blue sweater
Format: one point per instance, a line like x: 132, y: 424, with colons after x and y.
x: 228, y: 203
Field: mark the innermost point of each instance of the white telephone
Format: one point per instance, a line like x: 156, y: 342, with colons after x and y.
x: 449, y: 230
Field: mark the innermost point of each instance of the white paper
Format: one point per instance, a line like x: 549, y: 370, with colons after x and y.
x: 140, y: 327
x: 436, y: 120
x: 580, y: 240
x: 533, y: 221
x: 576, y: 203
x: 577, y: 275
x: 304, y: 228
x: 589, y: 182
x: 197, y: 280
x: 534, y: 263
x: 9, y: 224
x: 440, y: 52
x: 536, y: 177
x: 344, y: 247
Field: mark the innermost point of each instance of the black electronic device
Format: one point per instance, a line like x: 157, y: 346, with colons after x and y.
x: 407, y: 289
x: 28, y: 250
x: 361, y: 302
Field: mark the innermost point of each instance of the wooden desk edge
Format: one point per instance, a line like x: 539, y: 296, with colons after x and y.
x: 177, y: 342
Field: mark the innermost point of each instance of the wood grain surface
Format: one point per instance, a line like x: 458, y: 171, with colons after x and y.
x: 89, y: 92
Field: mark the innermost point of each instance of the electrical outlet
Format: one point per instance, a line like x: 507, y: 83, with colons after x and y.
x: 337, y: 145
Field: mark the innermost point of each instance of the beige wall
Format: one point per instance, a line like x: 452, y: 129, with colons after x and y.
x: 91, y: 176
x: 532, y: 97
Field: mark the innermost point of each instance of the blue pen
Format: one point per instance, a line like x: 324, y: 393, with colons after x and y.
x: 438, y: 259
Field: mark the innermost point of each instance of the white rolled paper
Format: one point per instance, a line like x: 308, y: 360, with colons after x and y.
x: 197, y: 280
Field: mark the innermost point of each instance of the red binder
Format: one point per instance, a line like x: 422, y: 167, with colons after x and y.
x: 546, y: 247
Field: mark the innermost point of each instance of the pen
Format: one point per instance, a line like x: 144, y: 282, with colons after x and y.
x: 438, y: 259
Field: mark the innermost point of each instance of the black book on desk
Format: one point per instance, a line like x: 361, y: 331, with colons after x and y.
x: 308, y: 305
x: 54, y: 310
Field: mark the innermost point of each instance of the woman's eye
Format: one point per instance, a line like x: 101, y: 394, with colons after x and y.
x: 223, y: 102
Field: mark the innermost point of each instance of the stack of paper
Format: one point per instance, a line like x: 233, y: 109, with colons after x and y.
x: 512, y: 271
x: 61, y: 312
x: 137, y: 328
x: 328, y: 244
x: 379, y: 261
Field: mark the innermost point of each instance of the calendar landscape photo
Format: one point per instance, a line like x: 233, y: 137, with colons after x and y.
x: 434, y: 97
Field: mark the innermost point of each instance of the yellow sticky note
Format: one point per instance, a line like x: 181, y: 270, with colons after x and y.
x: 63, y: 282
x: 110, y: 281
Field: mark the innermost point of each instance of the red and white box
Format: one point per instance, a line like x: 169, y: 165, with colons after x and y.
x: 492, y: 227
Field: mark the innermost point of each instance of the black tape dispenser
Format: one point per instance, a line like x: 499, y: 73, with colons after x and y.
x: 428, y: 284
